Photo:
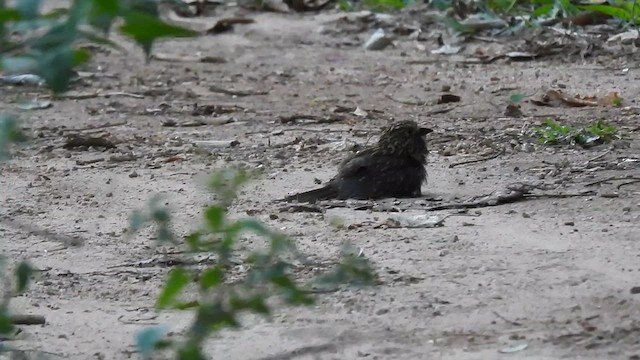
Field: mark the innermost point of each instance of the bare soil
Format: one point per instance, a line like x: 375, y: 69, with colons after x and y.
x: 552, y: 273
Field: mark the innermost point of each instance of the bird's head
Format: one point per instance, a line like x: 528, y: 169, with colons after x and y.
x: 405, y: 138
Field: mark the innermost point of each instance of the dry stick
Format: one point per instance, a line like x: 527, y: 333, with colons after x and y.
x: 515, y: 197
x: 89, y: 162
x: 514, y: 323
x: 490, y: 157
x: 214, y: 88
x: 598, y: 156
x: 82, y: 96
x: 635, y: 181
x: 610, y: 179
x: 28, y: 319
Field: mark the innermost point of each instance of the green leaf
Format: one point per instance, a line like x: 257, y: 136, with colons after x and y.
x: 211, y: 278
x: 23, y: 273
x: 458, y: 26
x: 544, y: 10
x: 28, y: 9
x: 7, y: 15
x: 215, y: 218
x: 516, y: 98
x: 616, y: 12
x: 177, y: 281
x: 255, y: 303
x: 145, y: 29
x: 137, y: 220
x: 103, y: 13
x: 5, y: 322
x: 9, y: 133
x: 148, y: 339
x: 56, y: 66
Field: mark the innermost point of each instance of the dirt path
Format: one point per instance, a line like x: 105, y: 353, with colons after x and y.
x: 553, y: 274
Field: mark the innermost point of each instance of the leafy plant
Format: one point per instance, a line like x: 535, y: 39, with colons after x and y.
x: 48, y: 45
x: 223, y: 291
x: 555, y: 133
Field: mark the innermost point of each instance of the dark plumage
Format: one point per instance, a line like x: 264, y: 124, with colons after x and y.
x: 394, y: 167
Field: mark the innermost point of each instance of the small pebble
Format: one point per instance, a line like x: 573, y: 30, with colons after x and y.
x: 635, y: 290
x: 569, y: 223
x: 134, y: 174
x: 382, y: 311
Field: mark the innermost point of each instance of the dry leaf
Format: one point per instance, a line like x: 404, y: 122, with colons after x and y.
x: 558, y: 98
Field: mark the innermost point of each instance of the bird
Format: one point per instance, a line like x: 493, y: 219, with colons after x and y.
x: 392, y: 168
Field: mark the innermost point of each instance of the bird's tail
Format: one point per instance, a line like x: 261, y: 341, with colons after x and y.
x: 323, y: 193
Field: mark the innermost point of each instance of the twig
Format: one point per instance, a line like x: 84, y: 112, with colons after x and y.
x: 635, y: 181
x: 214, y: 88
x: 28, y: 319
x: 490, y: 157
x: 82, y: 96
x: 88, y: 162
x: 514, y: 323
x: 138, y: 321
x: 610, y: 179
x: 598, y: 157
x: 318, y: 119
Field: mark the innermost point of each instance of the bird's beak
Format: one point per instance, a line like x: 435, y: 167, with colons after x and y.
x: 424, y: 131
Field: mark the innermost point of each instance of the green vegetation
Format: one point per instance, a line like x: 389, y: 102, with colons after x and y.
x: 269, y: 272
x: 50, y: 46
x: 554, y: 133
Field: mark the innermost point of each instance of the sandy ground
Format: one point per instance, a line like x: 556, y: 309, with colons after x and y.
x: 552, y: 274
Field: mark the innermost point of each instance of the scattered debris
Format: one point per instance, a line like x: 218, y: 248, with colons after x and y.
x: 23, y: 319
x: 447, y: 49
x: 89, y: 162
x: 627, y: 37
x: 378, y: 41
x: 217, y: 89
x: 360, y: 113
x: 558, y: 98
x: 513, y: 110
x: 216, y: 144
x: 448, y: 98
x: 415, y: 221
x: 35, y: 105
x: 329, y: 119
x: 188, y: 58
x: 205, y: 110
x: 23, y: 79
x: 490, y: 157
x: 76, y: 140
x: 225, y: 25
x: 513, y: 349
x: 89, y: 95
x: 296, y: 208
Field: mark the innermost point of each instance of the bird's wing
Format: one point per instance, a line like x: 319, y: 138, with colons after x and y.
x: 355, y: 166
